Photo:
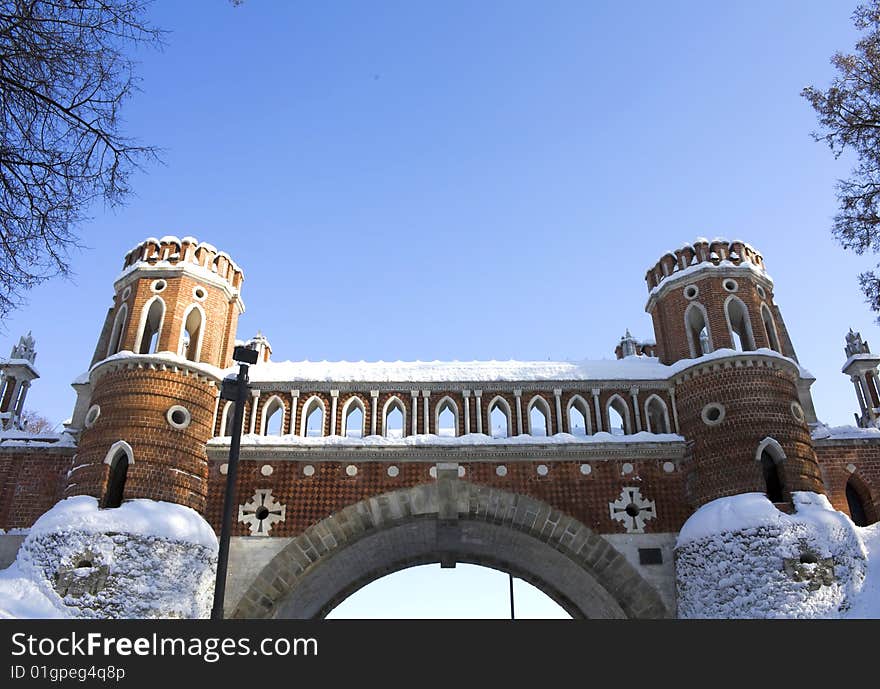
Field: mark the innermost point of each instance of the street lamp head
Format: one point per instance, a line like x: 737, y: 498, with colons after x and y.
x: 245, y: 355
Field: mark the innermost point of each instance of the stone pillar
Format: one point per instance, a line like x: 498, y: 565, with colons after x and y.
x: 598, y: 408
x: 466, y: 394
x: 415, y: 411
x: 426, y: 411
x: 294, y: 403
x: 255, y: 399
x: 674, y: 409
x: 634, y: 394
x: 518, y: 396
x: 867, y: 395
x: 334, y: 400
x: 477, y: 396
x: 557, y: 393
x: 374, y: 403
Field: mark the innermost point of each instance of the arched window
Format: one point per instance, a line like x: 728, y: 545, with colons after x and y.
x: 538, y: 416
x: 739, y: 324
x: 119, y: 457
x: 226, y: 419
x: 618, y: 416
x: 313, y: 418
x: 151, y: 325
x: 353, y: 417
x: 858, y: 502
x: 578, y: 416
x: 771, y: 456
x: 499, y: 418
x: 191, y: 335
x: 656, y: 415
x: 273, y: 416
x: 393, y: 418
x: 446, y: 421
x: 770, y: 328
x: 697, y: 328
x: 118, y: 328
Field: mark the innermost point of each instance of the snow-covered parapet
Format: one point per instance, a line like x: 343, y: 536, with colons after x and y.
x: 451, y: 441
x: 142, y: 559
x: 823, y: 432
x: 740, y: 557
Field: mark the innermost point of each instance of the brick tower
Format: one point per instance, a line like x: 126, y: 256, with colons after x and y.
x: 149, y: 405
x: 744, y: 402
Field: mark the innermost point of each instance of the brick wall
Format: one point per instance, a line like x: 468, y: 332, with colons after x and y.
x: 31, y: 481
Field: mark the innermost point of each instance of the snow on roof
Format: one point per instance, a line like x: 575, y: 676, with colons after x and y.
x: 859, y: 357
x: 433, y: 440
x: 629, y: 368
x: 18, y: 438
x: 823, y: 432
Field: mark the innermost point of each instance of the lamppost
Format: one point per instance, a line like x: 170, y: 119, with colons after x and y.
x: 235, y: 390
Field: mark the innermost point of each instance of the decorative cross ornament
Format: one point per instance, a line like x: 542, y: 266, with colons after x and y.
x: 261, y: 512
x: 632, y: 510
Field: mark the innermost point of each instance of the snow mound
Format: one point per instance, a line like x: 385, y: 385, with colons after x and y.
x: 135, y: 517
x: 740, y: 557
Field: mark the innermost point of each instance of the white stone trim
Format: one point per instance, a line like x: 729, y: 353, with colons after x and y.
x: 201, y: 337
x: 627, y: 421
x: 114, y: 448
x: 747, y: 319
x: 584, y: 410
x: 446, y: 400
x: 697, y: 306
x: 143, y: 321
x: 539, y: 401
x: 306, y: 412
x: 264, y: 419
x: 118, y: 329
x: 648, y: 415
x: 353, y: 400
x: 772, y: 445
x: 398, y: 403
x: 499, y: 401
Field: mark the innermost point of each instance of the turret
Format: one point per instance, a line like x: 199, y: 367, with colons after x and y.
x: 861, y: 367
x: 16, y: 375
x: 146, y: 410
x: 713, y: 296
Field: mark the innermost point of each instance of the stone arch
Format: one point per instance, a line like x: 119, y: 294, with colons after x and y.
x: 392, y: 403
x: 151, y: 324
x: 539, y: 403
x: 192, y: 331
x: 446, y: 403
x: 858, y: 490
x: 770, y: 329
x: 272, y: 406
x: 696, y: 319
x: 618, y: 404
x: 363, y: 542
x: 579, y: 403
x: 352, y: 403
x: 657, y: 415
x: 501, y: 404
x: 771, y: 458
x: 118, y: 330
x: 314, y: 402
x: 739, y: 323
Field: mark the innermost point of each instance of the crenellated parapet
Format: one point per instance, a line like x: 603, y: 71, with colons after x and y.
x: 701, y: 253
x: 173, y: 251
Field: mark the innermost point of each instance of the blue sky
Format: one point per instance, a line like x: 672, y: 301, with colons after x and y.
x: 455, y: 180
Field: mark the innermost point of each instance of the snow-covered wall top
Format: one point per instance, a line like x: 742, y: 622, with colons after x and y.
x: 468, y: 439
x: 630, y: 368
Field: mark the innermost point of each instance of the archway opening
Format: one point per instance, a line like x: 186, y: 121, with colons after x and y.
x: 354, y: 422
x: 577, y: 420
x: 539, y: 421
x: 116, y: 481
x: 499, y: 422
x: 858, y: 505
x: 465, y: 592
x: 447, y: 420
x: 772, y: 479
x: 394, y: 420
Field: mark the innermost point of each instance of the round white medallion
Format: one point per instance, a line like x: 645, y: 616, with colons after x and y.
x: 586, y: 469
x: 309, y: 470
x: 266, y: 470
x: 543, y: 470
x: 501, y: 470
x: 351, y: 470
x: 393, y: 472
